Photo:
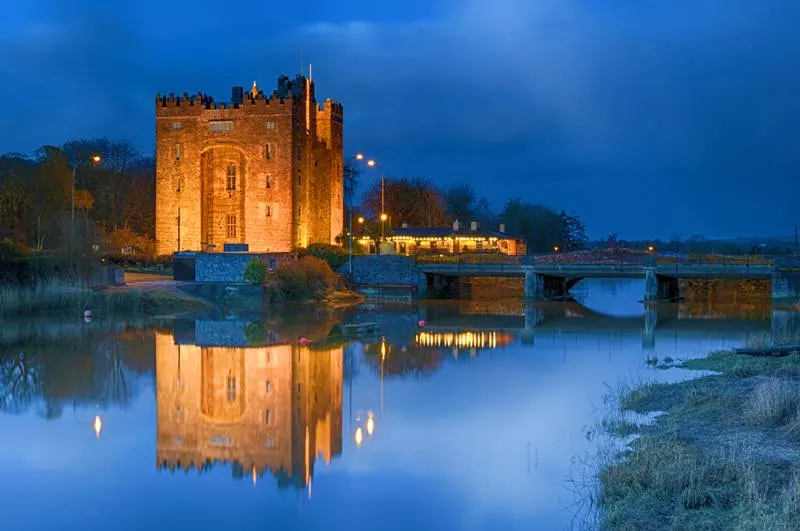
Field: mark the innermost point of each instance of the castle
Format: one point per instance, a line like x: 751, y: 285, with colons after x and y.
x: 262, y: 170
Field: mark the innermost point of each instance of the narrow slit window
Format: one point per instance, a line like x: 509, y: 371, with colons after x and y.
x: 230, y: 184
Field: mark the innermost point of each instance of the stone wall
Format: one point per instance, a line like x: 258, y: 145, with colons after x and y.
x: 786, y: 279
x: 229, y: 267
x: 384, y: 270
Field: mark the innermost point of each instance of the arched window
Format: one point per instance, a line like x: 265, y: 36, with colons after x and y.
x: 231, y: 180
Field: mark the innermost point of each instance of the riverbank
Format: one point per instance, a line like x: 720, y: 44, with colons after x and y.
x: 60, y: 296
x: 724, y: 455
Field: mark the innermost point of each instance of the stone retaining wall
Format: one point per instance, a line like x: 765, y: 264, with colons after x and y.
x: 384, y: 270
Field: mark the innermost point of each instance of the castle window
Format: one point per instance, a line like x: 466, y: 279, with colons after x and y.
x: 299, y: 177
x: 231, y: 181
x: 268, y: 417
x: 269, y: 211
x: 220, y: 126
x: 268, y: 387
x: 269, y: 181
x: 270, y: 443
x: 177, y: 125
x: 231, y: 226
x: 179, y: 183
x: 268, y: 152
x: 230, y: 387
x: 178, y: 151
x: 272, y: 126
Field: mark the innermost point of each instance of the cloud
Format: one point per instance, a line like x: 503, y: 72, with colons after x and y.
x: 616, y: 109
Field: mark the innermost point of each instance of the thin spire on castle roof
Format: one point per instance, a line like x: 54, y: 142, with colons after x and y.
x: 255, y: 89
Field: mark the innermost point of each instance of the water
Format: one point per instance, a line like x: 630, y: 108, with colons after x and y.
x: 474, y: 421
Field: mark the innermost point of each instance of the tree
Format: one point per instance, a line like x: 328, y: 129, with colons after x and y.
x: 416, y: 202
x: 541, y: 227
x: 459, y: 201
x: 573, y: 231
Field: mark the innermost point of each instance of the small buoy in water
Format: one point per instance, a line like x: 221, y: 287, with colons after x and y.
x: 421, y: 322
x: 304, y: 341
x: 87, y: 316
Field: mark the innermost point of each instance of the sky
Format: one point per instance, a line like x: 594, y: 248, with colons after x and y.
x: 648, y: 118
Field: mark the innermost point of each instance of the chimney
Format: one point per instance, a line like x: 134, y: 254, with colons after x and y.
x: 404, y: 225
x: 473, y: 226
x: 503, y: 227
x: 237, y: 96
x: 456, y: 226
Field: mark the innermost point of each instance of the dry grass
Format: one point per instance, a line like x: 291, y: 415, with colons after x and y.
x: 721, y: 458
x: 65, y: 295
x: 774, y: 402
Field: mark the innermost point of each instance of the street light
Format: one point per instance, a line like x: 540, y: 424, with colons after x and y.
x: 555, y: 248
x: 357, y: 156
x: 361, y: 220
x: 650, y: 248
x: 95, y: 159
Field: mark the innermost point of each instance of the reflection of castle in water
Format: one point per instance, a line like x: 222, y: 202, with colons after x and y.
x: 273, y: 408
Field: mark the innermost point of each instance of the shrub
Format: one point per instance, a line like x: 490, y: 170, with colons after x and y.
x: 255, y: 272
x: 334, y: 255
x: 308, y: 278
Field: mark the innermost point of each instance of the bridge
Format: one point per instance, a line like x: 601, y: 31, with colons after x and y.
x: 552, y: 277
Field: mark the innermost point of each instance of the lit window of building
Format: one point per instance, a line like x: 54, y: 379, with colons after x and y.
x: 221, y: 126
x: 231, y: 177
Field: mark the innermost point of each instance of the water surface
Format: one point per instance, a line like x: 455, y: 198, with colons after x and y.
x: 473, y: 421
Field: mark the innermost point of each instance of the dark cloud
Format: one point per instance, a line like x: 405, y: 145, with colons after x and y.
x: 649, y: 118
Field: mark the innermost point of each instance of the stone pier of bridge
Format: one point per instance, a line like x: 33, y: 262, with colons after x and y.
x: 541, y: 286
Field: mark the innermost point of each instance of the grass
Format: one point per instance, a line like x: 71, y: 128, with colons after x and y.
x: 59, y: 295
x: 722, y: 457
x: 772, y: 403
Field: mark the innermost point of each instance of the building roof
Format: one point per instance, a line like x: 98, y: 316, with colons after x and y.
x: 448, y: 232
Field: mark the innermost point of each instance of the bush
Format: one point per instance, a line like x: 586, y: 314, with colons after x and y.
x: 255, y: 272
x: 334, y: 255
x: 308, y: 278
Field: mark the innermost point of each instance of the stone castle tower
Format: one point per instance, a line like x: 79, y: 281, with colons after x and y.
x: 262, y: 170
x: 264, y: 410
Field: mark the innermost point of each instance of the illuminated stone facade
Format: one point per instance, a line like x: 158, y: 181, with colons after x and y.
x: 259, y: 409
x: 262, y: 170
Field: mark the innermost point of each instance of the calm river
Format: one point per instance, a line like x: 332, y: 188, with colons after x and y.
x: 473, y: 421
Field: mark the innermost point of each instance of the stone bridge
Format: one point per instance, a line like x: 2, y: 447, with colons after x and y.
x: 553, y: 280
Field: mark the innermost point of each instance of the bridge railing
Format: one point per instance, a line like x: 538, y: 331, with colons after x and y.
x: 617, y: 259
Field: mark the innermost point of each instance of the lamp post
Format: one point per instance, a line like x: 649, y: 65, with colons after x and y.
x: 357, y: 156
x: 372, y: 164
x: 94, y: 159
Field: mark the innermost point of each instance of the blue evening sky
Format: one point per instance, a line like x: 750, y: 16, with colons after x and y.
x: 649, y: 118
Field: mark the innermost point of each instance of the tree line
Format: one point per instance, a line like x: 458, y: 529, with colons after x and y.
x: 114, y: 196
x: 419, y: 202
